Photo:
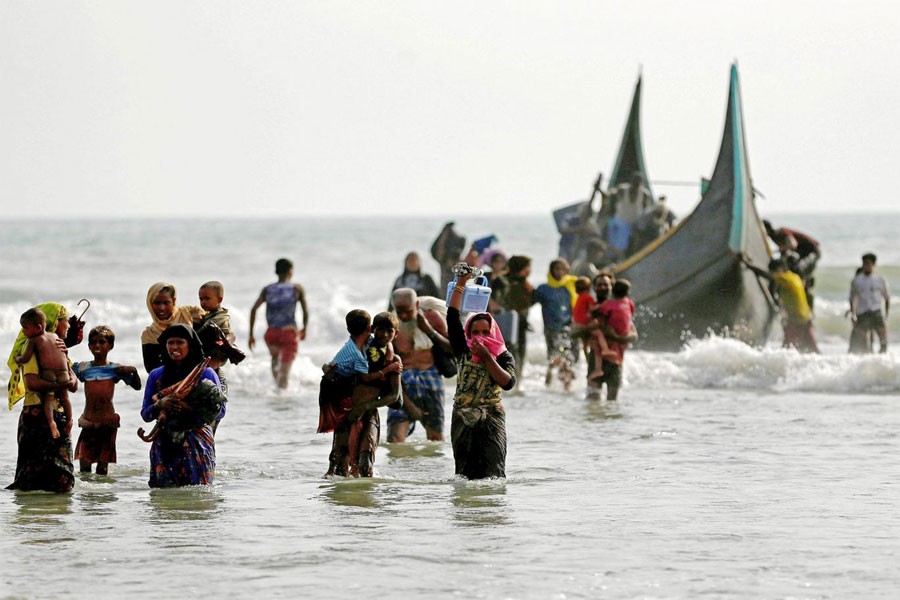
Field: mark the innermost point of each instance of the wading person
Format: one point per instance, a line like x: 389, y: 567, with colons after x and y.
x: 185, y: 398
x: 486, y: 368
x: 42, y: 463
x: 164, y: 311
x: 282, y: 336
x: 867, y: 292
x: 423, y: 326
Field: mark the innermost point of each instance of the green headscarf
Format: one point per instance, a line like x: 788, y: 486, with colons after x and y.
x: 16, y: 389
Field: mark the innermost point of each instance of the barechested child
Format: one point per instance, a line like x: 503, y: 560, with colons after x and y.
x: 99, y: 421
x: 52, y: 362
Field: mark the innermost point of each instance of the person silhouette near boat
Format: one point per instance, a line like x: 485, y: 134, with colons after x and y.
x: 800, y: 252
x: 797, y: 322
x: 867, y: 292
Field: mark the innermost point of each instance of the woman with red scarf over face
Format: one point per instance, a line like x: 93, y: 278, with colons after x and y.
x: 486, y: 368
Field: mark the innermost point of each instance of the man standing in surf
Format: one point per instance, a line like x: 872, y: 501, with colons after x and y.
x: 282, y: 336
x: 423, y: 325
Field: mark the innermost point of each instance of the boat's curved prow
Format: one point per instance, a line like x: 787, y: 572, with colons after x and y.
x: 689, y: 283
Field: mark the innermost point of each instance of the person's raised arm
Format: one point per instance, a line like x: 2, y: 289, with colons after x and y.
x: 259, y: 302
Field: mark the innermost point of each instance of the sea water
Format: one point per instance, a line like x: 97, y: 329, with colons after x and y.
x: 723, y: 471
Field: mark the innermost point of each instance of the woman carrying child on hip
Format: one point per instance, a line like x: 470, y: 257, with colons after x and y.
x: 486, y: 368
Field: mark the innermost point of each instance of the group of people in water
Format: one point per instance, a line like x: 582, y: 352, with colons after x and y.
x: 627, y: 219
x: 397, y: 359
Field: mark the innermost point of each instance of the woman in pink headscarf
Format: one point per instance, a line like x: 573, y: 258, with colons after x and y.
x: 486, y: 368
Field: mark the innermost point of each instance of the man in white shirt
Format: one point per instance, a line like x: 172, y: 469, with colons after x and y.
x: 867, y: 290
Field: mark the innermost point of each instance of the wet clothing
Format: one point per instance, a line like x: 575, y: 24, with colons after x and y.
x: 43, y: 463
x: 560, y: 345
x: 478, y: 426
x: 618, y: 314
x: 284, y: 341
x: 281, y: 305
x: 871, y: 292
x: 425, y: 389
x: 556, y: 306
x: 350, y: 360
x: 98, y: 443
x: 581, y: 314
x: 800, y: 336
x: 184, y: 452
x: 792, y: 296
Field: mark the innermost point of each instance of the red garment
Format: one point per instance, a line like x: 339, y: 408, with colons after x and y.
x: 618, y: 313
x: 800, y: 336
x: 284, y: 342
x: 581, y: 313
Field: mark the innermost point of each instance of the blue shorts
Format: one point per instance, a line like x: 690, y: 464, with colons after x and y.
x: 425, y: 389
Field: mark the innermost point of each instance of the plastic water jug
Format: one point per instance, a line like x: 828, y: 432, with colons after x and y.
x: 476, y: 296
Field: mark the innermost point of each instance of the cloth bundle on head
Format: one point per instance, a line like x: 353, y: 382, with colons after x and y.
x: 493, y: 341
x: 180, y: 314
x: 15, y: 389
x: 482, y: 244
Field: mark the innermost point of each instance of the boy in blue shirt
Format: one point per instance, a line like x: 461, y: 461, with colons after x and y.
x: 341, y: 375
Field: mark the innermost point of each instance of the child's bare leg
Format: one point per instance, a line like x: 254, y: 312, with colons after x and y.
x: 605, y: 351
x: 102, y: 468
x: 85, y: 467
x: 598, y: 358
x: 63, y: 397
x: 47, y: 405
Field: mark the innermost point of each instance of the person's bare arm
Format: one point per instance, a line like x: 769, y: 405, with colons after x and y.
x: 27, y: 353
x: 300, y: 295
x: 259, y: 302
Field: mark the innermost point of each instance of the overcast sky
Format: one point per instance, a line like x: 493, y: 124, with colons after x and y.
x: 294, y: 108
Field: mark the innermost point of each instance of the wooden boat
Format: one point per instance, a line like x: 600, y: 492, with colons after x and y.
x: 689, y: 282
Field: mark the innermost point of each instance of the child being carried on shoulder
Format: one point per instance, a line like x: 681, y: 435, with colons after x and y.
x: 338, y: 393
x: 588, y: 323
x: 53, y: 363
x: 99, y: 421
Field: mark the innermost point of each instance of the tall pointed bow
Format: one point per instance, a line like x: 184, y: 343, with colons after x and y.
x: 631, y: 150
x: 690, y: 283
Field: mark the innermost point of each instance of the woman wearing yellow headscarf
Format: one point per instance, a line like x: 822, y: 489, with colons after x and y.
x: 557, y: 297
x: 42, y: 463
x: 161, y: 302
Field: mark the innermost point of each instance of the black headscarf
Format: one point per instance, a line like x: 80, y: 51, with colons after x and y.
x: 173, y: 372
